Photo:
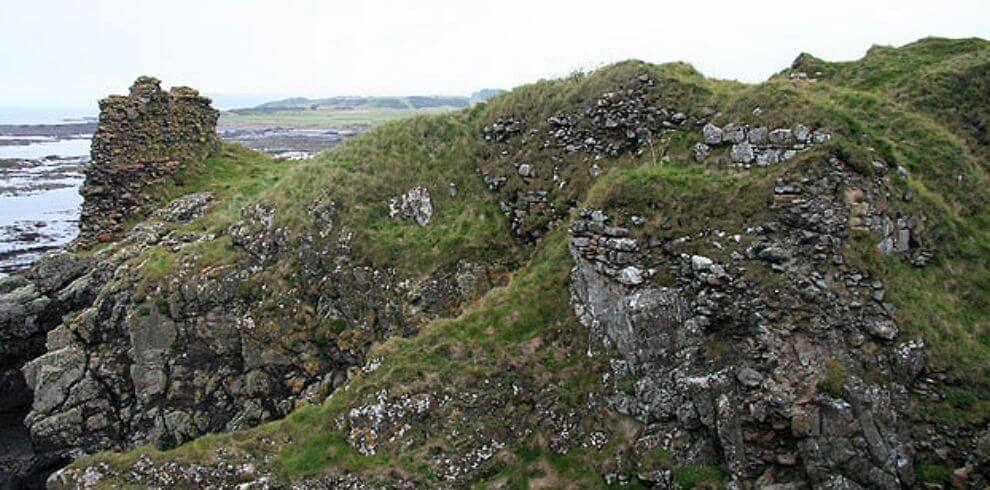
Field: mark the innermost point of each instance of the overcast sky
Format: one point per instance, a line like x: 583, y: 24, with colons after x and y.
x: 72, y: 52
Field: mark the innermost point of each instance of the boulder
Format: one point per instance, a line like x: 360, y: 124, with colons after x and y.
x: 712, y: 134
x: 733, y: 133
x: 742, y: 153
x: 416, y: 205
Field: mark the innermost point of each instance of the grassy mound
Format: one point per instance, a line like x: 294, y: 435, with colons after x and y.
x: 918, y: 107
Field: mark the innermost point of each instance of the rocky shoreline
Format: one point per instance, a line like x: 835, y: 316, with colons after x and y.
x: 57, y: 131
x: 290, y: 143
x: 32, y: 183
x: 39, y: 200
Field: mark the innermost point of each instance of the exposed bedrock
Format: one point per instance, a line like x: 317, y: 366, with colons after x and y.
x: 208, y: 349
x: 774, y: 381
x: 30, y: 305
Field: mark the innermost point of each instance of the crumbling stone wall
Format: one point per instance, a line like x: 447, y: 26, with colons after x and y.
x: 142, y: 139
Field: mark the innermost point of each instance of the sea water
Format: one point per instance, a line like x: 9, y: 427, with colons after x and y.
x: 39, y: 196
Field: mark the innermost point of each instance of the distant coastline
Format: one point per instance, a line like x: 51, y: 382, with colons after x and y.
x: 46, y: 115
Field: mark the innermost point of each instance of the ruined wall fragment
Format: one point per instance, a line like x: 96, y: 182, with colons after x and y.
x: 143, y: 139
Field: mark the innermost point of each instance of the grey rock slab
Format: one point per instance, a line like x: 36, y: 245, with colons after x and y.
x: 712, y: 134
x: 780, y: 137
x: 758, y: 136
x: 51, y: 375
x: 733, y: 133
x: 742, y: 153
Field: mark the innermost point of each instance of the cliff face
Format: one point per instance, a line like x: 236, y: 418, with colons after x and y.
x: 143, y: 139
x: 147, y: 348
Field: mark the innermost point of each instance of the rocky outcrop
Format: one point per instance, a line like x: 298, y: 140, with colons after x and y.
x: 30, y: 305
x: 143, y: 139
x: 210, y: 349
x: 185, y: 208
x: 792, y: 403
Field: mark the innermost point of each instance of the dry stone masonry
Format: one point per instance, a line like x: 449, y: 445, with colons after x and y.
x: 608, y: 248
x: 631, y: 119
x: 143, y: 139
x: 619, y: 122
x: 759, y: 146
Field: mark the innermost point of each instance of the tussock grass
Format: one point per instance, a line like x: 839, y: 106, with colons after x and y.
x: 896, y: 105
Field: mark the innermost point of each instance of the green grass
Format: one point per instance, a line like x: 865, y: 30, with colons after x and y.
x: 362, y: 175
x: 699, y: 476
x: 680, y: 195
x: 897, y: 102
x: 934, y: 473
x: 834, y: 380
x: 236, y: 176
x: 325, y: 118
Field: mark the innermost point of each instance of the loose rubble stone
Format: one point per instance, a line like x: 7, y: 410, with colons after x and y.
x: 700, y: 263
